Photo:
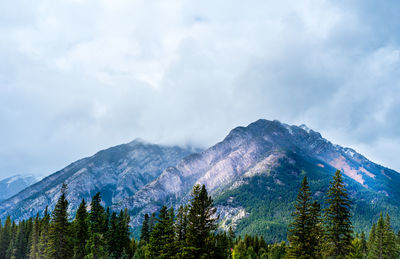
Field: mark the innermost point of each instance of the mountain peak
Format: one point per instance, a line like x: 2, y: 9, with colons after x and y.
x: 304, y: 127
x: 138, y: 141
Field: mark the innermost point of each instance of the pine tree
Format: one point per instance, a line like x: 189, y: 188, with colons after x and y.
x: 338, y: 225
x: 44, y: 235
x: 6, y: 236
x: 34, y: 253
x: 60, y: 245
x: 161, y: 243
x: 181, y: 228
x: 13, y: 241
x: 371, y: 239
x: 201, y: 223
x: 364, y: 245
x: 96, y: 245
x: 113, y: 237
x: 304, y: 232
x: 144, y: 235
x: 81, y: 231
x: 123, y: 231
x: 356, y: 251
x: 391, y: 250
x: 384, y: 245
x: 152, y: 222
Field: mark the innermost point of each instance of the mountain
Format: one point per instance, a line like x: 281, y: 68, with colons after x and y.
x: 255, y: 172
x: 117, y: 172
x: 253, y: 175
x: 14, y: 184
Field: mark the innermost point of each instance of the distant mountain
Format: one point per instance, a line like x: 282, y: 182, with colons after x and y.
x: 14, y: 184
x: 117, y: 172
x: 253, y: 175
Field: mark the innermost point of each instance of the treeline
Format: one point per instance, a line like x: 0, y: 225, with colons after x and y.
x: 192, y: 232
x: 328, y: 233
x: 95, y: 234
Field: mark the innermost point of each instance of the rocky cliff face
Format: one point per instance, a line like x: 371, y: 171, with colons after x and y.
x: 117, y: 173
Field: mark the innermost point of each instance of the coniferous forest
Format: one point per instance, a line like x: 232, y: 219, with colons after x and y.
x: 316, y: 231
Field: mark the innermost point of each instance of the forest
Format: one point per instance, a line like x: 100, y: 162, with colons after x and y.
x: 192, y: 231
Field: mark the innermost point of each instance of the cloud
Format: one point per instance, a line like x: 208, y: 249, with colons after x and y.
x: 78, y: 76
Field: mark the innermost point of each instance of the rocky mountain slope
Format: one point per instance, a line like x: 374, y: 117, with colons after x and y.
x: 253, y: 175
x: 117, y: 172
x: 255, y: 172
x: 14, y: 184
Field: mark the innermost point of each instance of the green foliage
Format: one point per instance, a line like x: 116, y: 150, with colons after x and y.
x: 59, y: 242
x: 81, y: 230
x: 145, y: 232
x: 191, y: 233
x: 305, y: 232
x: 338, y: 226
x: 201, y: 222
x: 383, y: 242
x: 34, y: 253
x: 162, y: 238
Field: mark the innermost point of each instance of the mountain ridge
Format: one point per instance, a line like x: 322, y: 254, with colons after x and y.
x: 268, y: 158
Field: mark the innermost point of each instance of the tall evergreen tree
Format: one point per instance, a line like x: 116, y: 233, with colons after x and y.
x: 96, y: 245
x: 44, y: 235
x: 34, y: 253
x: 201, y: 223
x: 371, y: 239
x: 5, y: 238
x: 303, y: 233
x: 113, y: 237
x: 384, y: 245
x: 144, y: 235
x: 123, y: 232
x: 364, y: 245
x: 338, y: 225
x: 181, y: 228
x: 391, y: 251
x: 152, y: 222
x: 60, y: 245
x: 162, y: 237
x: 81, y: 229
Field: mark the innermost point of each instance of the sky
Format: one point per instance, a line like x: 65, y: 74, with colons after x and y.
x: 80, y: 76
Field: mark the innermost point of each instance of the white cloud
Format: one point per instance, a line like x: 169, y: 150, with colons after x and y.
x: 77, y: 76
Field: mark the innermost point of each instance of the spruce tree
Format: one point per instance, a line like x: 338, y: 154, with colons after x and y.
x: 181, y: 228
x: 123, y: 231
x: 34, y: 252
x: 144, y: 235
x: 364, y: 245
x: 384, y: 245
x: 304, y: 231
x: 338, y: 225
x: 161, y: 243
x: 371, y: 239
x: 59, y: 244
x: 152, y: 222
x: 96, y: 245
x: 81, y: 231
x: 44, y: 235
x: 201, y: 223
x: 113, y: 242
x: 5, y: 238
x: 391, y: 250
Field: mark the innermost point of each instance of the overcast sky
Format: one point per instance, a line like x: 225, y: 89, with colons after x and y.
x: 80, y: 76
